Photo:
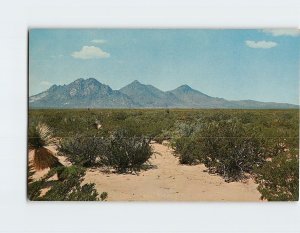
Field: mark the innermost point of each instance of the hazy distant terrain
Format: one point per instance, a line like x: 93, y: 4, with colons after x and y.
x: 90, y: 93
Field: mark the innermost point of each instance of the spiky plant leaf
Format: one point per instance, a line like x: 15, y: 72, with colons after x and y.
x: 44, y: 158
x: 39, y: 137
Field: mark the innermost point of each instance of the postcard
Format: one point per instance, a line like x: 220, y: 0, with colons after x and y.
x: 163, y: 115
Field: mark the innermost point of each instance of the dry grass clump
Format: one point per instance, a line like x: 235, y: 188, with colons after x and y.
x: 39, y: 138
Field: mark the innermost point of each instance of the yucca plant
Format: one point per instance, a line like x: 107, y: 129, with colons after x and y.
x: 39, y: 137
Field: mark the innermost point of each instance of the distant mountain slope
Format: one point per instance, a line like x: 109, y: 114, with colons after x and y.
x: 90, y: 93
x: 81, y: 93
x: 150, y: 96
x: 251, y: 104
x: 191, y: 97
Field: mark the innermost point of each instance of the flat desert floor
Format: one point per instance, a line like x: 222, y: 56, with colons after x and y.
x: 170, y: 181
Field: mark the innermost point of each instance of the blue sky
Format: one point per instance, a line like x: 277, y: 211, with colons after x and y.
x: 234, y: 64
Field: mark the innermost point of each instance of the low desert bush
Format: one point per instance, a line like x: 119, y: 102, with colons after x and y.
x: 120, y: 115
x: 67, y: 188
x: 159, y: 138
x: 230, y: 149
x: 278, y: 179
x: 82, y: 150
x: 164, y: 135
x: 184, y: 130
x: 34, y: 189
x: 64, y: 173
x: 187, y: 150
x: 71, y: 190
x: 126, y: 152
x: 226, y: 147
x: 122, y: 151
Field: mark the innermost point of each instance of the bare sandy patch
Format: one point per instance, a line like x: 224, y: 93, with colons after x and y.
x: 170, y: 181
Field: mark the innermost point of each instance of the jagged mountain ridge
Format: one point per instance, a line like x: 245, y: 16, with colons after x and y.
x: 81, y: 94
x: 150, y: 96
x: 90, y: 93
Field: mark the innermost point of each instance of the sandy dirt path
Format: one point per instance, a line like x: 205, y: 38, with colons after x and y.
x: 170, y: 181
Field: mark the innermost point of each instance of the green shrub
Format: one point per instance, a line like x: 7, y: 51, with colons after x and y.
x: 34, y: 190
x: 71, y: 190
x: 122, y: 151
x: 279, y: 179
x: 126, y: 152
x: 188, y: 129
x: 159, y: 139
x: 120, y: 116
x: 74, y: 171
x: 64, y: 173
x: 219, y: 116
x: 187, y: 150
x: 67, y: 188
x: 230, y: 149
x: 184, y: 130
x: 83, y: 151
x: 164, y: 135
x: 247, y: 117
x: 132, y: 127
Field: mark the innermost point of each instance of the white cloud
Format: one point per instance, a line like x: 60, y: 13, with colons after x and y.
x: 260, y: 44
x: 90, y: 52
x: 98, y: 41
x: 282, y: 32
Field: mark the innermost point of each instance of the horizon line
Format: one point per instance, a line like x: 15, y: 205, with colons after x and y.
x: 298, y: 105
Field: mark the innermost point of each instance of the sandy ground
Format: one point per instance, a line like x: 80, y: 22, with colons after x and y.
x: 170, y: 181
x: 166, y: 181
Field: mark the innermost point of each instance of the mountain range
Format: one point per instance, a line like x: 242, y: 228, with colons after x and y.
x: 90, y: 93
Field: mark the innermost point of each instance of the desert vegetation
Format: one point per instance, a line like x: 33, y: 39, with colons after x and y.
x: 225, y: 147
x: 39, y: 138
x: 279, y: 179
x: 66, y: 188
x: 121, y: 151
x: 233, y: 144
